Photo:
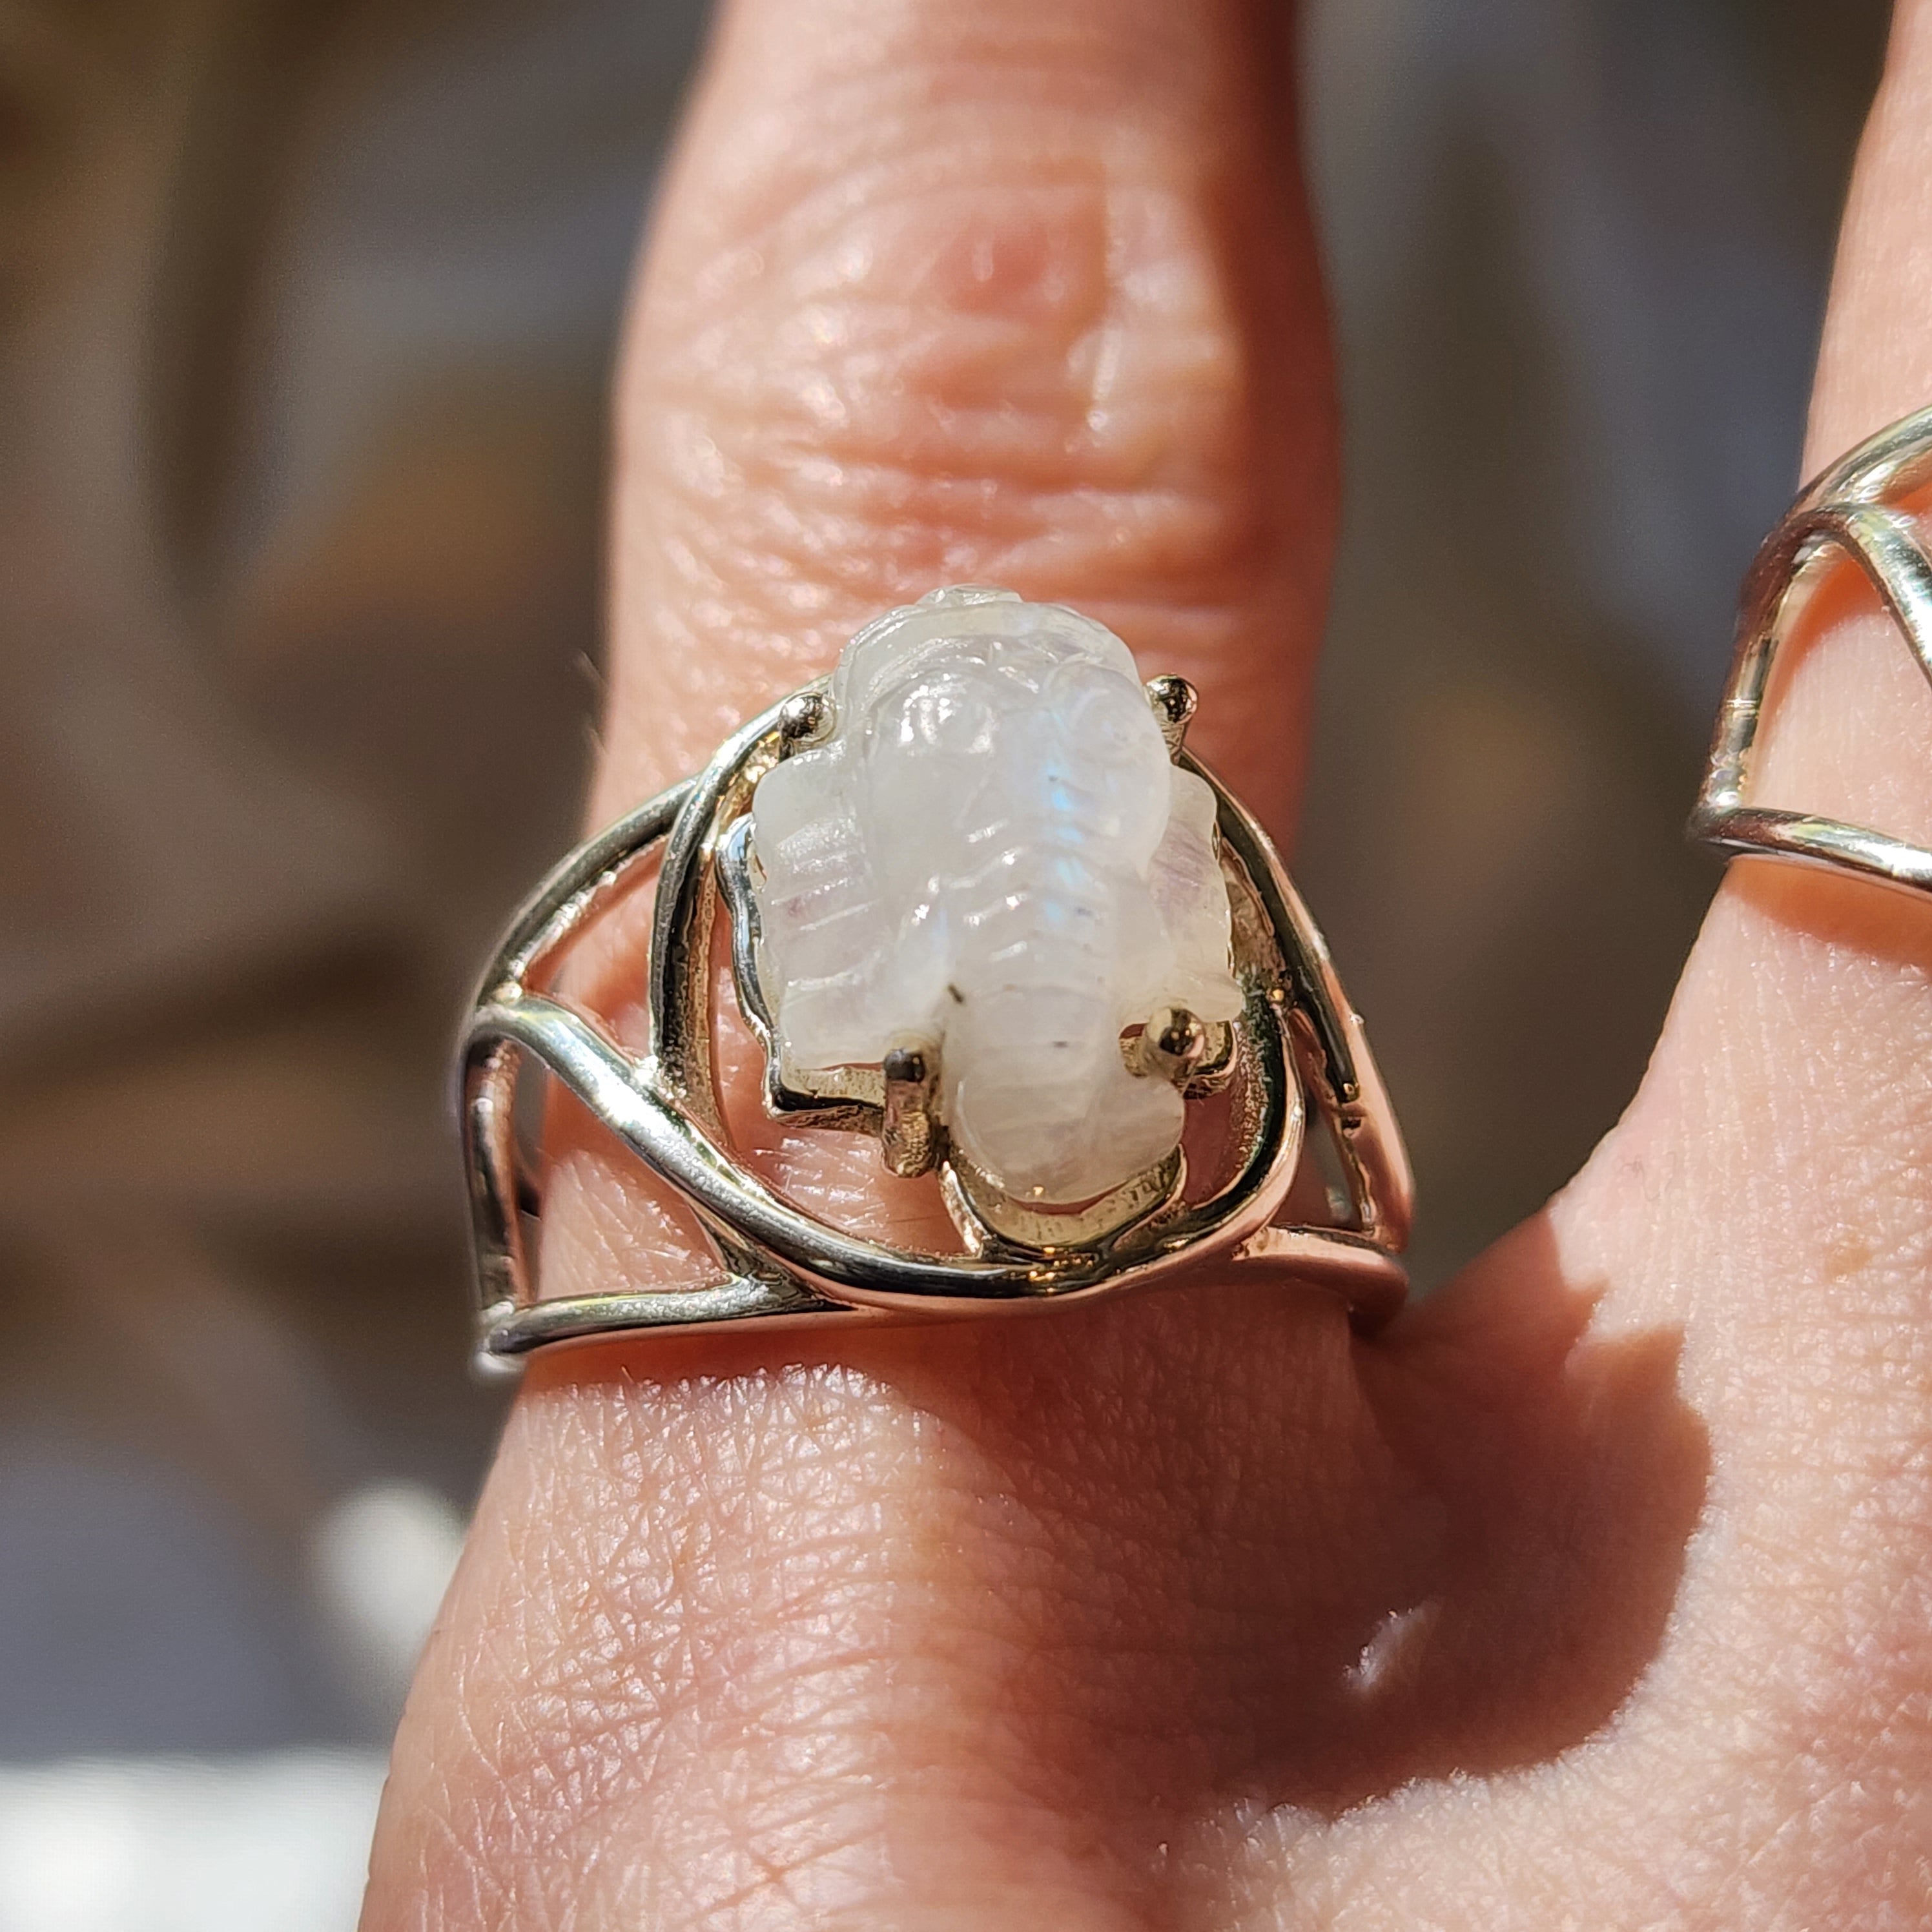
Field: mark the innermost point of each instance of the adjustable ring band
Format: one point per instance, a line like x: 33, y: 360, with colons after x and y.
x: 1847, y: 512
x: 1292, y: 1054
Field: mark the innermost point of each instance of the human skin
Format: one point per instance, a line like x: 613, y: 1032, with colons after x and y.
x: 1597, y: 1591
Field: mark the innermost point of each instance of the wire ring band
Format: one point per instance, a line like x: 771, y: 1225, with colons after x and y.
x: 1847, y: 512
x: 1302, y: 1042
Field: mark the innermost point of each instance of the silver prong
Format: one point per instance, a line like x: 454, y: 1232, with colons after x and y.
x: 909, y: 1137
x: 1173, y: 1043
x: 490, y: 1370
x: 805, y: 719
x: 1173, y: 701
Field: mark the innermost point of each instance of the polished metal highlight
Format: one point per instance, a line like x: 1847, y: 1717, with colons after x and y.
x: 1298, y: 1048
x: 1848, y: 512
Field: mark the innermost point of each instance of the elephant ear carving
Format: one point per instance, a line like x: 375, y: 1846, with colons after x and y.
x: 1849, y: 513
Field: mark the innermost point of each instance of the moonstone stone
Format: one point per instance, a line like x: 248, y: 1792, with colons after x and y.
x: 992, y: 855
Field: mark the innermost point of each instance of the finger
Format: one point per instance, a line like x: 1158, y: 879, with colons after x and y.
x: 928, y: 1626
x: 1762, y: 1221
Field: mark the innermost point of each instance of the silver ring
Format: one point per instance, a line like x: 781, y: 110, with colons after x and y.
x: 1847, y: 512
x: 1295, y: 1053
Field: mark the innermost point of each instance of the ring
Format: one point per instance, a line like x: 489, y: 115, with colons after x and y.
x: 1846, y: 512
x: 984, y: 906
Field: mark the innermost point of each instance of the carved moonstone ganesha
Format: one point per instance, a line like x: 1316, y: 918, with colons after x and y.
x: 990, y: 858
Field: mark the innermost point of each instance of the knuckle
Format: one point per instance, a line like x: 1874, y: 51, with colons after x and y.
x: 921, y: 364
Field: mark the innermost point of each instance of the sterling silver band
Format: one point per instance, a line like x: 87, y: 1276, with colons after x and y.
x: 1847, y: 512
x: 1301, y: 1047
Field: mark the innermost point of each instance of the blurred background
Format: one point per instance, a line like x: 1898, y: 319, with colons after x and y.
x: 306, y: 312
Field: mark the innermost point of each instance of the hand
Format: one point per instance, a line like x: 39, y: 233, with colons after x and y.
x: 1598, y: 1593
